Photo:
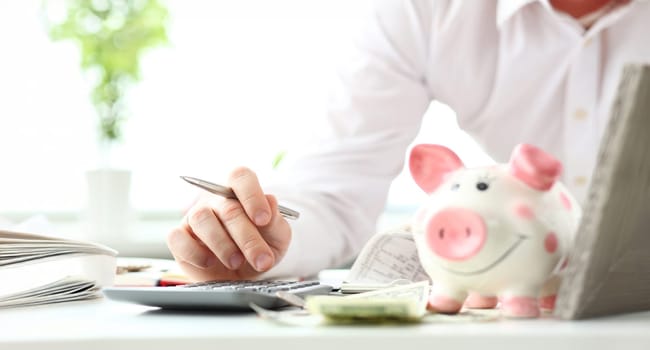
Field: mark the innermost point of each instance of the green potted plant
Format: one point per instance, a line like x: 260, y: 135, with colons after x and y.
x: 112, y: 35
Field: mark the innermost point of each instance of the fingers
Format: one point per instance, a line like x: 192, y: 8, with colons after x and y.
x: 246, y: 235
x: 185, y: 248
x: 204, y: 223
x: 277, y: 233
x: 231, y: 238
x: 246, y: 186
x: 223, y: 231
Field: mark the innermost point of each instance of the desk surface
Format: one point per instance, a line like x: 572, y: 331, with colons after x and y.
x: 105, y: 324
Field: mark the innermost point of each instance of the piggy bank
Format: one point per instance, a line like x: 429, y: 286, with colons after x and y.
x: 492, y: 235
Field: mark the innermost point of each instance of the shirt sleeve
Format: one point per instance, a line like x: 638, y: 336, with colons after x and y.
x: 377, y: 101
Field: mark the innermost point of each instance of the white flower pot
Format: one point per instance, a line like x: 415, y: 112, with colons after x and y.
x: 108, y: 211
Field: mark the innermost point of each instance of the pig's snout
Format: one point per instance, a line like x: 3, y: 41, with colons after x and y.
x: 456, y: 233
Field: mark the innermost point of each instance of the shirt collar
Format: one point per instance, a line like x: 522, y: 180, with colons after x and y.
x: 507, y: 8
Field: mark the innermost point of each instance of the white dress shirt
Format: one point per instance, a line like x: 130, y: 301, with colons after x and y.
x: 513, y: 71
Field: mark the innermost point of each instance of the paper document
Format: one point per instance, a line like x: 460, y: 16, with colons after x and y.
x: 36, y: 269
x: 389, y: 258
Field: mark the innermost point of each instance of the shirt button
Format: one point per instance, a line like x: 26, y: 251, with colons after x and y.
x: 588, y: 41
x: 580, y: 180
x: 580, y: 114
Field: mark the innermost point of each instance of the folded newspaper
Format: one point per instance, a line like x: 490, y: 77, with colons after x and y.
x: 38, y: 269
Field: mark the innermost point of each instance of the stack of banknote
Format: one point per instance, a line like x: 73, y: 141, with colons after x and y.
x: 401, y: 303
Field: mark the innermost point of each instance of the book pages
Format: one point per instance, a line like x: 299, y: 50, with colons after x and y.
x: 609, y: 267
x: 38, y: 270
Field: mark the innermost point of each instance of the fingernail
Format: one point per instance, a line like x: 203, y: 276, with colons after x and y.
x: 236, y: 260
x: 210, y: 261
x: 263, y: 262
x: 262, y: 218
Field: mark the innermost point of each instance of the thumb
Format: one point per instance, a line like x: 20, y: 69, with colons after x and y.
x: 277, y: 233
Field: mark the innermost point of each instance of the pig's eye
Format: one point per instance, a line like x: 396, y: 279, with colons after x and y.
x: 482, y: 186
x: 455, y: 187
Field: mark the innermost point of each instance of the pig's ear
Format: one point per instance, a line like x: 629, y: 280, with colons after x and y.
x: 534, y: 167
x: 429, y: 164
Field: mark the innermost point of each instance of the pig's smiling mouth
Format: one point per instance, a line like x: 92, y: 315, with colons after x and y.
x: 520, y: 239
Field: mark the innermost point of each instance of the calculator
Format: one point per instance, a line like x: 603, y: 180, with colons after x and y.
x: 217, y: 295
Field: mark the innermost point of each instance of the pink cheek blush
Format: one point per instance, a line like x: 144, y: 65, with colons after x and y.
x: 523, y: 211
x: 550, y: 242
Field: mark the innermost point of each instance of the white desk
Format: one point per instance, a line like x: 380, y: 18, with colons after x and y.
x: 109, y: 325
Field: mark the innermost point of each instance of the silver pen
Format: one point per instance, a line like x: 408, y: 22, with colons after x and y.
x: 227, y: 192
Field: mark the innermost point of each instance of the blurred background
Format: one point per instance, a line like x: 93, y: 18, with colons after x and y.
x: 211, y: 85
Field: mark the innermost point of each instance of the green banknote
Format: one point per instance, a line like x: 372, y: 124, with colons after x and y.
x: 402, y: 303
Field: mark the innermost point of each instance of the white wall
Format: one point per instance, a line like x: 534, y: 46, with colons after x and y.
x: 237, y: 83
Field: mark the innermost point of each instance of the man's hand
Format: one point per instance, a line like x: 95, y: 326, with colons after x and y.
x: 231, y: 239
